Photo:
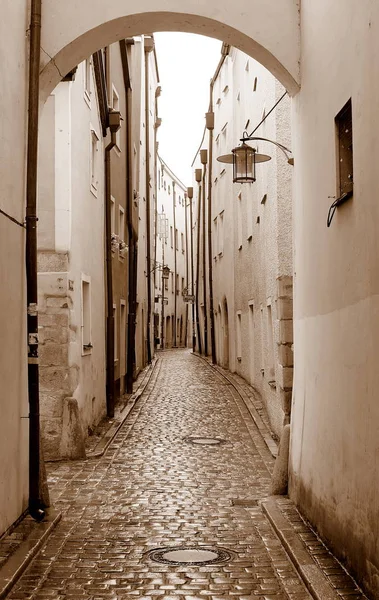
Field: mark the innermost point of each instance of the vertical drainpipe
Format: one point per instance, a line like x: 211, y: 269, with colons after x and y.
x: 198, y: 176
x: 148, y: 46
x: 163, y: 295
x: 210, y: 127
x: 132, y: 237
x: 190, y: 196
x: 187, y: 265
x: 130, y: 337
x: 204, y: 160
x: 114, y: 125
x: 36, y: 504
x: 175, y: 264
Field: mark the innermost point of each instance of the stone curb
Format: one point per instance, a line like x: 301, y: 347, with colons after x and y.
x: 261, y: 426
x: 17, y: 563
x: 311, y: 574
x: 107, y: 439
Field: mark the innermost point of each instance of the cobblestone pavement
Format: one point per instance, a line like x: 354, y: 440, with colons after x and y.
x: 153, y: 488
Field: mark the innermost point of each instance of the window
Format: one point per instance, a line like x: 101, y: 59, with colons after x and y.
x: 121, y: 223
x: 344, y: 130
x: 87, y: 80
x: 239, y: 336
x: 215, y: 238
x: 171, y: 237
x: 122, y: 337
x: 116, y: 106
x: 94, y: 161
x: 166, y: 284
x: 182, y: 241
x: 176, y: 240
x: 86, y: 315
x: 252, y: 342
x: 270, y: 347
x: 221, y: 234
x: 113, y: 215
x: 177, y: 285
x: 115, y: 332
x: 239, y: 221
x: 182, y: 284
x: 172, y: 283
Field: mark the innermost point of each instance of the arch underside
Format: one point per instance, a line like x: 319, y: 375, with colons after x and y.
x: 71, y: 34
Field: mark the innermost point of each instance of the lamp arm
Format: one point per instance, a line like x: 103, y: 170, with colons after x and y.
x: 249, y: 138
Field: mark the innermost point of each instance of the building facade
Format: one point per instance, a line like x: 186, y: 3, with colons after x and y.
x: 84, y: 282
x: 171, y: 312
x: 251, y: 236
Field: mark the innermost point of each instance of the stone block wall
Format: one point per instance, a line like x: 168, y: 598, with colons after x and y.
x: 285, y: 344
x: 58, y: 379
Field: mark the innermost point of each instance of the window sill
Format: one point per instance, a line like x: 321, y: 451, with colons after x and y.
x: 87, y: 98
x: 86, y: 351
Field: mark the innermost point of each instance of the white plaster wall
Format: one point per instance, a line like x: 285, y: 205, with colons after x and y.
x: 13, y: 350
x: 71, y: 246
x: 87, y: 252
x: 335, y: 426
x: 259, y: 252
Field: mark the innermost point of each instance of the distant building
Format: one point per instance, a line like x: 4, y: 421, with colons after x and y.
x: 171, y: 251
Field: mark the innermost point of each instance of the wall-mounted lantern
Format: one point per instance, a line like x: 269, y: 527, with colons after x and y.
x: 166, y: 272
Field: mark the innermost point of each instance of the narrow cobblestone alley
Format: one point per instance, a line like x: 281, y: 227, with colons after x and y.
x: 154, y: 488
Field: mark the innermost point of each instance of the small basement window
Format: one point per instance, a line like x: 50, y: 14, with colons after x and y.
x: 86, y: 315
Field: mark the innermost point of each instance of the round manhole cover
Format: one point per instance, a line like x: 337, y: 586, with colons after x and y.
x: 204, y: 441
x: 191, y: 555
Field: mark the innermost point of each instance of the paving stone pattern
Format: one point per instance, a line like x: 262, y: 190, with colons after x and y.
x: 153, y: 489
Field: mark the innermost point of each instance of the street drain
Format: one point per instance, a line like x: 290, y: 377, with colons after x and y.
x: 191, y: 555
x: 204, y: 441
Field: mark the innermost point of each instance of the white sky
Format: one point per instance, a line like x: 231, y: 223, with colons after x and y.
x: 186, y: 64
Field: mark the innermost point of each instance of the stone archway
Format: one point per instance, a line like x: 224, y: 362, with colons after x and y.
x: 268, y: 31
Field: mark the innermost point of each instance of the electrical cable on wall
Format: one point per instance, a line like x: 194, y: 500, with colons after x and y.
x: 12, y: 219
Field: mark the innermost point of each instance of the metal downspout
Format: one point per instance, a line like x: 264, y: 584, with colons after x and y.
x: 148, y: 211
x: 187, y: 265
x: 204, y: 260
x: 174, y: 345
x: 199, y: 348
x: 36, y: 503
x: 190, y: 195
x: 110, y: 387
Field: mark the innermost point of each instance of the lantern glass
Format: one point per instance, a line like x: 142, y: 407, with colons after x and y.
x: 244, y: 164
x: 166, y: 272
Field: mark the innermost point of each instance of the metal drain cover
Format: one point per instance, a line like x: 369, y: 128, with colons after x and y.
x: 191, y: 555
x: 205, y: 441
